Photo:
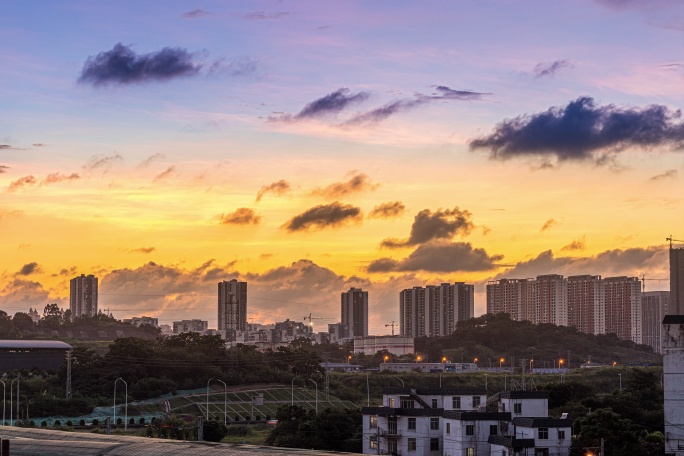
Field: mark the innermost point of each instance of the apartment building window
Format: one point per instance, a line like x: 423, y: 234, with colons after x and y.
x: 543, y: 433
x: 470, y: 451
x: 493, y: 429
x: 412, y: 424
x: 406, y: 402
x: 448, y: 428
x: 391, y: 402
x: 434, y: 424
x: 470, y: 429
x: 434, y: 403
x: 476, y: 401
x: 373, y: 443
x: 517, y: 408
x: 434, y: 444
x: 411, y: 444
x: 561, y: 435
x: 373, y: 421
x: 456, y: 403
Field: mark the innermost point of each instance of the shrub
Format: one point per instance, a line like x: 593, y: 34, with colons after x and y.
x: 81, y: 422
x: 57, y: 423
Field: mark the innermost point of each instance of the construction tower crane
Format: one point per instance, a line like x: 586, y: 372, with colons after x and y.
x: 392, y: 325
x: 644, y: 279
x: 672, y: 240
x: 310, y: 318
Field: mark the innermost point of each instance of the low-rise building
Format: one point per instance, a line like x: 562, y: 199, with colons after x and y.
x: 429, y: 367
x: 140, y: 321
x: 396, y: 345
x: 182, y: 326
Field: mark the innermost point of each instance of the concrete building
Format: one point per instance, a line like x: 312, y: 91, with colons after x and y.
x: 435, y: 310
x: 455, y: 368
x: 232, y: 307
x: 622, y: 297
x: 511, y: 296
x: 586, y: 308
x: 654, y: 307
x: 676, y: 280
x: 182, y: 326
x: 83, y: 296
x: 354, y: 310
x: 396, y: 345
x: 337, y: 333
x: 673, y: 383
x: 140, y: 321
x: 30, y: 354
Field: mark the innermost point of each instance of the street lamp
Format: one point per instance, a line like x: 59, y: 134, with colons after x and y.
x: 490, y: 362
x: 208, y: 397
x: 402, y: 382
x: 475, y: 360
x: 386, y: 358
x: 501, y: 360
x: 11, y: 390
x: 293, y: 379
x: 4, y: 391
x: 126, y: 397
x: 225, y: 409
x: 444, y: 359
x: 419, y: 358
x: 620, y: 375
x: 349, y: 358
x: 312, y: 381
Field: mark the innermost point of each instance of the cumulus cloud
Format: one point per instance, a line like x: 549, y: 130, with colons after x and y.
x: 241, y: 216
x: 20, y: 294
x: 195, y: 13
x: 577, y: 244
x: 550, y: 223
x: 278, y: 188
x: 164, y: 174
x: 428, y: 225
x: 103, y: 162
x: 123, y: 66
x: 669, y: 174
x: 358, y: 182
x: 332, y: 103
x: 583, y: 131
x: 550, y: 68
x: 379, y: 114
x: 324, y: 216
x: 388, y: 210
x: 439, y: 256
x: 22, y: 182
x: 28, y: 269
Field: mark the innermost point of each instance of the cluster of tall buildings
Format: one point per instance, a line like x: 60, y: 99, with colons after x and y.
x: 434, y: 310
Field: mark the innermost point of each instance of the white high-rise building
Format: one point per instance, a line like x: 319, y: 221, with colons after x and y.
x: 354, y: 309
x: 83, y: 296
x: 673, y: 383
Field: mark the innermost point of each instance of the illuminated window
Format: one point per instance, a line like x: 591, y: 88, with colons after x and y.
x: 373, y: 421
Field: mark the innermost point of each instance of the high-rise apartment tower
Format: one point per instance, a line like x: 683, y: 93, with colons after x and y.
x: 83, y: 296
x: 232, y: 307
x: 676, y: 281
x: 435, y: 310
x: 354, y: 308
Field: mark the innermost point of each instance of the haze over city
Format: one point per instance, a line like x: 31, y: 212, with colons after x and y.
x: 309, y: 147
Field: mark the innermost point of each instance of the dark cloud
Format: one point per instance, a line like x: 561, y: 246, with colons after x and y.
x: 57, y: 177
x: 164, y: 174
x: 3, y: 169
x: 123, y: 66
x: 242, y: 216
x: 388, y: 210
x: 29, y: 269
x: 324, y: 216
x: 22, y: 182
x: 143, y: 250
x: 332, y: 103
x: 550, y: 68
x: 550, y: 223
x: 439, y: 256
x: 197, y: 12
x: 379, y: 114
x: 583, y: 131
x: 669, y: 174
x: 66, y: 272
x: 442, y: 224
x: 447, y: 93
x: 278, y: 188
x: 261, y: 15
x: 145, y: 163
x: 577, y: 244
x: 102, y: 162
x: 359, y: 182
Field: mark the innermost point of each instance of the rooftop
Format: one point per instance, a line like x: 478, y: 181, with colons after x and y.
x: 35, y: 344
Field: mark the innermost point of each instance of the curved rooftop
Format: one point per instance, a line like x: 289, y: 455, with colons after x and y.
x: 4, y: 344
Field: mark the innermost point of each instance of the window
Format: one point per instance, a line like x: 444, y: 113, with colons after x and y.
x: 493, y: 429
x: 434, y: 423
x: 470, y: 451
x: 517, y: 408
x: 448, y: 428
x: 561, y: 435
x: 470, y: 429
x: 406, y: 402
x: 411, y: 444
x: 391, y: 402
x: 373, y: 444
x: 434, y: 444
x: 434, y: 403
x: 476, y: 401
x: 412, y: 424
x: 456, y: 403
x: 373, y: 421
x: 543, y: 433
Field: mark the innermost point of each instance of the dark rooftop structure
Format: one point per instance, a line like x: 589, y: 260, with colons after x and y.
x: 468, y: 415
x: 542, y: 422
x: 525, y: 394
x: 30, y: 354
x: 436, y: 391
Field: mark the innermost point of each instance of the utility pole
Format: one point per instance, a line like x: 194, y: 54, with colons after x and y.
x: 68, y: 381
x: 602, y: 446
x: 392, y: 325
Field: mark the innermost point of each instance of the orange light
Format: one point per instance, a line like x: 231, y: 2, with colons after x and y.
x: 560, y: 361
x: 614, y: 363
x: 475, y: 360
x: 444, y: 359
x: 501, y: 360
x: 419, y: 358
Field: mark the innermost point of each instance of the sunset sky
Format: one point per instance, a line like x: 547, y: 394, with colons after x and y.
x: 307, y: 147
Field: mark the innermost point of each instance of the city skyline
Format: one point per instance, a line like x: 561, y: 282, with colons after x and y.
x: 307, y: 149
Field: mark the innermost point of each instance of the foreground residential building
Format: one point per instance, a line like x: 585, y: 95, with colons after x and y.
x: 673, y: 383
x: 457, y: 422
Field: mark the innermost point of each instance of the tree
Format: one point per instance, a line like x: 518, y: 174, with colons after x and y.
x: 53, y: 316
x: 22, y: 322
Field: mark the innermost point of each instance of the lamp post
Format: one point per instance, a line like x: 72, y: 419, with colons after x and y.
x: 475, y: 360
x: 386, y: 358
x: 312, y: 381
x: 126, y: 398
x: 208, y: 397
x: 11, y: 391
x: 225, y: 409
x: 490, y: 362
x: 349, y: 358
x: 501, y: 360
x: 402, y: 382
x: 419, y: 358
x: 293, y: 379
x: 620, y: 376
x: 4, y: 391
